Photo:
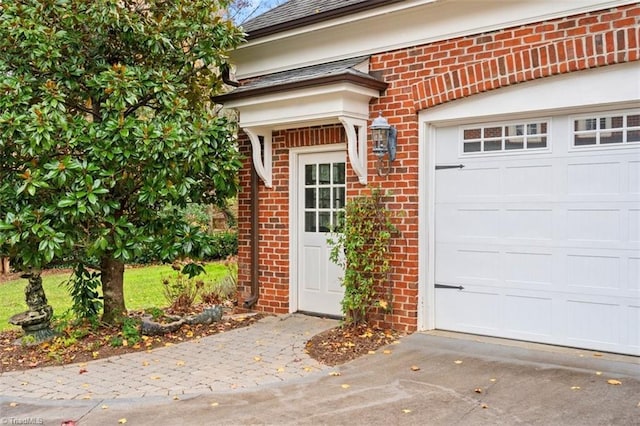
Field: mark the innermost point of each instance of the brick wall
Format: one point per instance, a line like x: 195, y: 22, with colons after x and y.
x: 421, y: 77
x: 274, y: 277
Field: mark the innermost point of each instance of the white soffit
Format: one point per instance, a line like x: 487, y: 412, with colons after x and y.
x: 308, y: 106
x: 582, y: 90
x: 396, y: 26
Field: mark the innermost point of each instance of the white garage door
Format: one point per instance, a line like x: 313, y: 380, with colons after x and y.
x: 541, y: 229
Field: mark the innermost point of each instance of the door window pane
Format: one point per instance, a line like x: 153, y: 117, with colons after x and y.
x: 537, y: 142
x: 325, y: 174
x: 324, y: 201
x: 339, y: 198
x: 338, y: 173
x: 584, y: 139
x: 324, y: 222
x: 310, y: 198
x: 514, y: 143
x: 493, y: 145
x: 472, y: 147
x: 310, y: 222
x: 310, y: 174
x: 611, y: 137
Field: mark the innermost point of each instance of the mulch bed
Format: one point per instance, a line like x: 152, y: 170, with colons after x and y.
x: 96, y: 344
x: 342, y: 344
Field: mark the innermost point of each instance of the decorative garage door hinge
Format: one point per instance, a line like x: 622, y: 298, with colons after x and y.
x: 457, y: 287
x: 457, y: 166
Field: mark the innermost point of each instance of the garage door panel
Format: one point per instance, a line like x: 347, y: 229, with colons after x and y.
x: 634, y: 225
x: 528, y: 223
x: 594, y: 178
x: 593, y: 322
x: 471, y: 183
x: 528, y: 315
x: 634, y: 177
x: 633, y: 268
x: 468, y: 266
x: 484, y: 319
x: 593, y: 225
x: 532, y: 269
x: 528, y: 180
x: 546, y: 244
x: 632, y: 318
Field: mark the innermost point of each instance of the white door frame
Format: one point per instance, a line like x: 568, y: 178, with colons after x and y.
x: 612, y: 87
x: 294, y: 188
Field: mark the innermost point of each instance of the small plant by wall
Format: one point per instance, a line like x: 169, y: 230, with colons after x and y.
x: 361, y: 247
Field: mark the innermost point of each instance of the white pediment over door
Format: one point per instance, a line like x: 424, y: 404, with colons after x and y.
x: 343, y: 102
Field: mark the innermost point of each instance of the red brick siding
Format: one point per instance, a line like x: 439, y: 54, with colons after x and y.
x: 421, y: 77
x: 274, y: 223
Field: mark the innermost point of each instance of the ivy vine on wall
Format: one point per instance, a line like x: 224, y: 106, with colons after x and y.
x: 361, y: 246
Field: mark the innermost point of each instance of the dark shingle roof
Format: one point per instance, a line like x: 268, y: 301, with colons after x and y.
x: 297, y: 13
x: 330, y: 72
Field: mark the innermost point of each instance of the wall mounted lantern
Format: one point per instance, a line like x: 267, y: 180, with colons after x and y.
x: 384, y: 143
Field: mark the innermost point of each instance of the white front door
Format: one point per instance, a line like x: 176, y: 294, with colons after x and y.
x: 541, y: 230
x: 321, y: 198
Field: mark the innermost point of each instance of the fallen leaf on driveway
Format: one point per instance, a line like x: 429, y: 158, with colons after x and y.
x: 215, y: 404
x: 492, y: 380
x: 180, y: 363
x: 122, y: 421
x: 257, y: 358
x: 614, y: 382
x: 346, y: 386
x: 83, y: 370
x: 335, y: 373
x: 575, y: 387
x: 13, y: 404
x: 478, y: 390
x: 104, y: 406
x: 386, y: 352
x: 457, y: 361
x: 484, y: 406
x: 597, y: 354
x: 406, y: 411
x: 598, y: 373
x: 415, y: 368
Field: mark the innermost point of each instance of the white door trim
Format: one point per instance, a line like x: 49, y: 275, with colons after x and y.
x: 294, y: 188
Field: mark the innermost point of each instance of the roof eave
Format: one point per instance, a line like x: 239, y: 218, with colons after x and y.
x: 319, y: 17
x: 360, y: 80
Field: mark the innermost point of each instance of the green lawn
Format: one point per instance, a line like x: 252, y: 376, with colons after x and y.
x: 142, y: 289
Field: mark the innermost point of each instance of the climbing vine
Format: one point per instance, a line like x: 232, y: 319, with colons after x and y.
x: 360, y: 246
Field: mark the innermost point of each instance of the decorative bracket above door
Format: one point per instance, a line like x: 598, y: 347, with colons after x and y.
x: 356, y: 130
x: 261, y: 148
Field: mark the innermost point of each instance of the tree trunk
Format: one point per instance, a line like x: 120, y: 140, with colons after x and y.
x: 112, y: 278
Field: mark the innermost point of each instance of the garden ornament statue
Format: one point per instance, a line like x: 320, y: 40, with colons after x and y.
x: 36, y: 322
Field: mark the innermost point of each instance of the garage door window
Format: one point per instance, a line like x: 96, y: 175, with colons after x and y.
x: 612, y: 129
x: 505, y: 137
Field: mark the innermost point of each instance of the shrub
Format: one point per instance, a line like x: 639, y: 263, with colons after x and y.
x: 181, y: 292
x: 223, y: 245
x: 224, y: 289
x: 362, y: 249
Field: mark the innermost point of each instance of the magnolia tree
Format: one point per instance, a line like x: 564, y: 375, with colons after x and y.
x: 106, y: 130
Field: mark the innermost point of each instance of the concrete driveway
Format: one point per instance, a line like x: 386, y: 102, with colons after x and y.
x: 426, y: 379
